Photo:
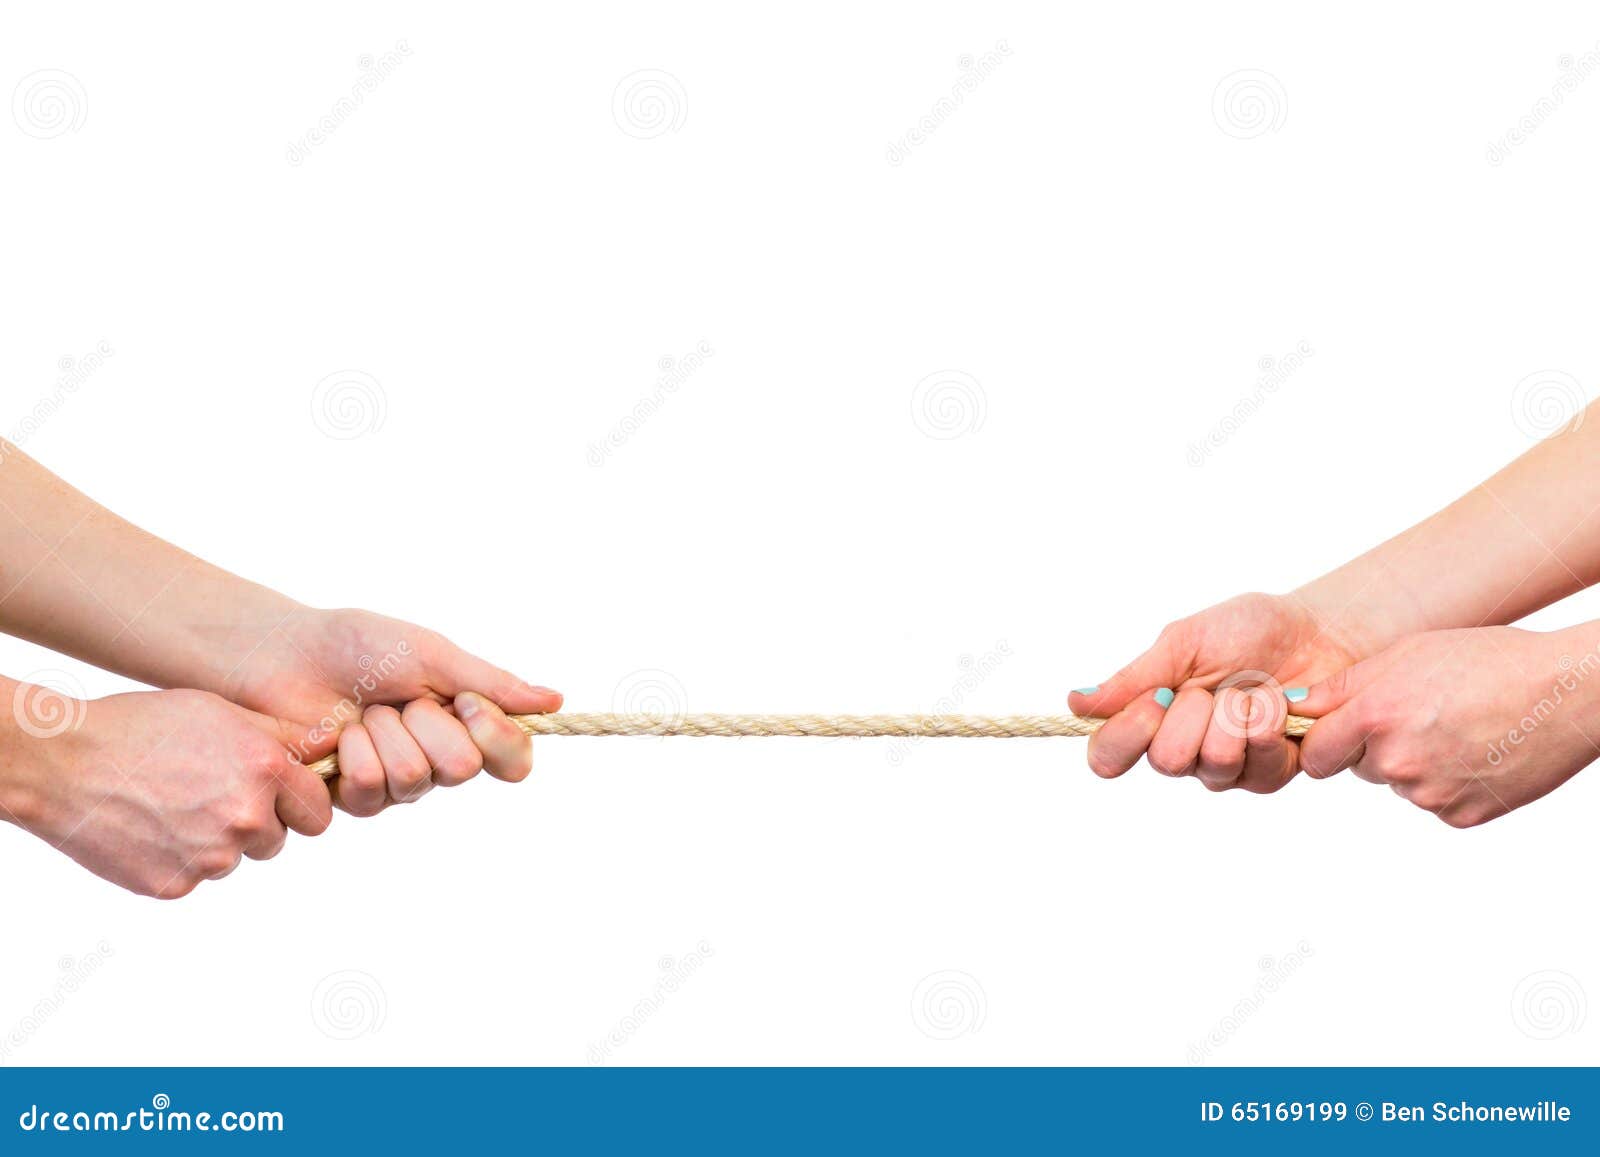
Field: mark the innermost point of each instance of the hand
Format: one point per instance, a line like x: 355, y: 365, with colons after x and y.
x: 160, y: 790
x: 407, y: 708
x: 1468, y: 725
x: 1230, y: 737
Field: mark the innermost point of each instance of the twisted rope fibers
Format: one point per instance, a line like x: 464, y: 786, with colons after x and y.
x: 812, y: 726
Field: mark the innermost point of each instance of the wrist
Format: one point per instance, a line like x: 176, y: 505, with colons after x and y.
x: 38, y: 717
x: 1363, y: 615
x: 228, y: 633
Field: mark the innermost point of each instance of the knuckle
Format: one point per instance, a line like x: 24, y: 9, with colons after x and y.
x: 460, y: 765
x: 366, y: 777
x: 1460, y: 818
x: 1167, y: 762
x: 176, y: 888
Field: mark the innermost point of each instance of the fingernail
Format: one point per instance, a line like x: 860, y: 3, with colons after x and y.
x: 1165, y: 696
x: 543, y: 690
x: 1095, y: 690
x: 467, y: 705
x: 1295, y: 694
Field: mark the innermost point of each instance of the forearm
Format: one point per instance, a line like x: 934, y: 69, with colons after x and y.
x: 78, y: 579
x: 1524, y: 539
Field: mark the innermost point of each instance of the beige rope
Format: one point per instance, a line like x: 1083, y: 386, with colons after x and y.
x: 826, y: 726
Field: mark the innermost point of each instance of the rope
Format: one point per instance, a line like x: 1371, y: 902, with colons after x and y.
x: 825, y: 726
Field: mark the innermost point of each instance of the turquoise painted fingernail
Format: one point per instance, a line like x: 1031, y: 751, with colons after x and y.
x: 1295, y: 694
x: 1165, y: 696
x: 1095, y: 690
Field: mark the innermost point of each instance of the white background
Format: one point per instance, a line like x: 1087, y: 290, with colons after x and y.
x: 1101, y: 245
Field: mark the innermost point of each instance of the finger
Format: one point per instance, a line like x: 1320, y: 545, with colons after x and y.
x: 267, y: 842
x: 1270, y: 760
x: 1176, y: 747
x: 1222, y: 750
x: 1126, y: 735
x: 1366, y: 769
x: 1166, y: 664
x: 1332, y: 693
x: 1334, y: 743
x: 361, y: 787
x: 507, y: 752
x: 444, y: 741
x: 405, y: 768
x: 452, y: 671
x: 304, y: 803
x: 217, y: 862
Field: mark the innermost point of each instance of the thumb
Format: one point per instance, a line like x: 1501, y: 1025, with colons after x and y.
x: 1339, y: 737
x: 1166, y: 664
x: 452, y: 671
